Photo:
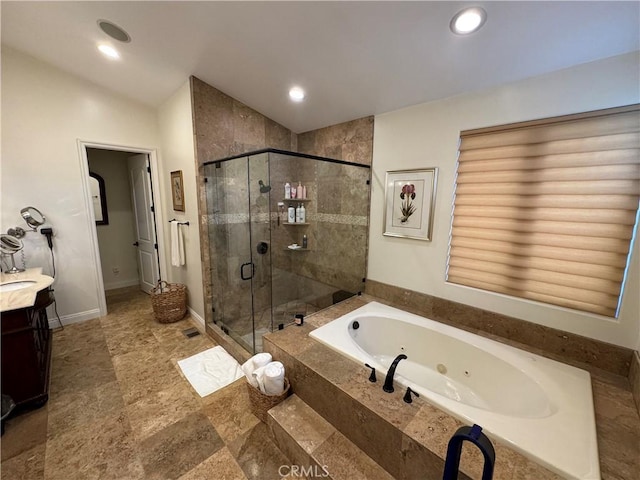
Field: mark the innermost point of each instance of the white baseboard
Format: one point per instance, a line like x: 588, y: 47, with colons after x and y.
x: 121, y: 284
x: 73, y: 318
x: 196, y: 317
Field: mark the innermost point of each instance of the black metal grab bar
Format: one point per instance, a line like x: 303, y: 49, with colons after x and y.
x: 179, y: 223
x: 473, y: 435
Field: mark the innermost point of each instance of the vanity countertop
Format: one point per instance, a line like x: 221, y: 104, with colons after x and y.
x: 23, y: 297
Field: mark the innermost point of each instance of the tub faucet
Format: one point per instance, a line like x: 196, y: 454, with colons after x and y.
x: 388, y: 382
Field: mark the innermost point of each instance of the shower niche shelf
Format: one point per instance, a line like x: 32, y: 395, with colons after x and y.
x: 291, y: 200
x: 297, y: 224
x: 297, y: 249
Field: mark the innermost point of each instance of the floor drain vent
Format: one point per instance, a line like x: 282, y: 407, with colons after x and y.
x: 191, y: 332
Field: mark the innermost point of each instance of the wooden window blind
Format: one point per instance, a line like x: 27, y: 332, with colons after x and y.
x: 545, y: 210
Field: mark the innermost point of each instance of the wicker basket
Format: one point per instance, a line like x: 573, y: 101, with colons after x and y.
x: 169, y: 301
x: 261, y: 403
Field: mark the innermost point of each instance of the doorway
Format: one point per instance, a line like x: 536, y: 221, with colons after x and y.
x: 126, y: 231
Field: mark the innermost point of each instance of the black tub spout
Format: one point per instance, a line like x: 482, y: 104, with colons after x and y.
x: 388, y: 382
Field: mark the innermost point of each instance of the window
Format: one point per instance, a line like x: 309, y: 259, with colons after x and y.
x: 545, y: 210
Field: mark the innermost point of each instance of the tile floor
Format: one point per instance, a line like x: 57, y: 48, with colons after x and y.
x: 120, y: 408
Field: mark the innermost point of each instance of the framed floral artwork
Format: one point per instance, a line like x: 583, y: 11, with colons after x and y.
x: 177, y: 191
x: 409, y: 201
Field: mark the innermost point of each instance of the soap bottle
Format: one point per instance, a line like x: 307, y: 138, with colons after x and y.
x: 291, y: 214
x: 304, y: 191
x: 301, y: 214
x: 298, y: 214
x: 300, y: 190
x: 287, y: 190
x: 304, y: 241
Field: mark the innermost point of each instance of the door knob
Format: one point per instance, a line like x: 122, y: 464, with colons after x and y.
x: 136, y: 244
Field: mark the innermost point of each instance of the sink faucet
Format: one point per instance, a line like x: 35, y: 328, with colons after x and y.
x: 388, y: 382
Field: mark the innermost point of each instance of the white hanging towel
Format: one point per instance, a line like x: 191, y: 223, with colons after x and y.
x: 177, y: 245
x: 255, y: 362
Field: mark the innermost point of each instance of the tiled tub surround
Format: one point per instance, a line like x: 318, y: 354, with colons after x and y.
x: 582, y: 352
x: 517, y: 397
x: 634, y: 378
x: 409, y: 441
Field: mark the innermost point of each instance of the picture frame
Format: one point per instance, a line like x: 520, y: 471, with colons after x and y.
x: 177, y: 191
x: 409, y: 203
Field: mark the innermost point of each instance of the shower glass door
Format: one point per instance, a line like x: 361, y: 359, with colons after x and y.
x: 238, y: 200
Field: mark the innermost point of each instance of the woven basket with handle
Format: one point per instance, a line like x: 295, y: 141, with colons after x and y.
x: 169, y: 301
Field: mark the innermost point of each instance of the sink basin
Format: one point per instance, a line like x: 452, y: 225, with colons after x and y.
x: 11, y: 286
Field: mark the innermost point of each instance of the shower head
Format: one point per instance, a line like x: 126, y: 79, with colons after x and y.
x: 264, y: 188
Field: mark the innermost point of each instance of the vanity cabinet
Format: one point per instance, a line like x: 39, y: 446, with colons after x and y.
x: 26, y: 352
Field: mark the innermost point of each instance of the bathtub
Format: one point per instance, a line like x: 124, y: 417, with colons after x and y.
x: 537, y: 406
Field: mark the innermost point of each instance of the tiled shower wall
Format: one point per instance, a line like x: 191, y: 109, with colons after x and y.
x: 225, y: 127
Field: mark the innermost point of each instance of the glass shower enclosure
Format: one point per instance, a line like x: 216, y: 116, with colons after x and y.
x: 260, y: 280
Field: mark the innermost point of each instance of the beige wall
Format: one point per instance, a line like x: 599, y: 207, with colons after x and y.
x: 426, y: 136
x: 176, y: 132
x: 45, y: 112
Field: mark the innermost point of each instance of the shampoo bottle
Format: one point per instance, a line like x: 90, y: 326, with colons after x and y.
x: 287, y: 190
x: 300, y: 190
x: 304, y: 241
x: 298, y: 214
x: 291, y: 214
x: 302, y: 214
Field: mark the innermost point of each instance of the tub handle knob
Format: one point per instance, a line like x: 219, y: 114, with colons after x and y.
x: 407, y: 396
x: 372, y: 377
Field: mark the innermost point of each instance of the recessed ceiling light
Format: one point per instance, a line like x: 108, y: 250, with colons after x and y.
x: 108, y: 51
x: 468, y: 20
x: 296, y: 94
x: 114, y: 31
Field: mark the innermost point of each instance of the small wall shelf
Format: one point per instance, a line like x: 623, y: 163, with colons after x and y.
x: 297, y: 249
x: 296, y: 200
x: 295, y: 224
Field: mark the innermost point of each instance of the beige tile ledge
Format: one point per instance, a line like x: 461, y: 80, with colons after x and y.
x: 634, y: 378
x: 583, y: 352
x: 24, y: 297
x: 617, y: 419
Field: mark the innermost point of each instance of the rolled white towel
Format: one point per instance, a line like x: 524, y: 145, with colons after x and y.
x: 273, y: 378
x: 258, y: 377
x: 257, y: 361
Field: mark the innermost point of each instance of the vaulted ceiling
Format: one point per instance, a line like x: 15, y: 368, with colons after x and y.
x: 352, y: 58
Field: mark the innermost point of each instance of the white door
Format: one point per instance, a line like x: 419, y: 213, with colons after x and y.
x: 146, y: 243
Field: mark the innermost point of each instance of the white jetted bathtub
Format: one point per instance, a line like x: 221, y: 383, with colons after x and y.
x: 539, y: 407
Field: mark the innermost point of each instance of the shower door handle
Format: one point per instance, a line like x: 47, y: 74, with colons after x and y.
x: 253, y: 270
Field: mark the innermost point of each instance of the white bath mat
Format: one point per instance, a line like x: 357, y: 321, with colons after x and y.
x: 210, y: 370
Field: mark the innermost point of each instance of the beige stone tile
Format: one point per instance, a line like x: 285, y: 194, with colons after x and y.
x: 219, y: 466
x: 102, y: 449
x: 229, y: 411
x: 177, y: 449
x: 305, y: 426
x: 344, y: 461
x: 257, y: 455
x: 143, y: 372
x: 81, y: 370
x: 634, y: 379
x: 126, y: 338
x: 74, y: 409
x: 28, y: 465
x: 158, y: 410
x: 24, y: 432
